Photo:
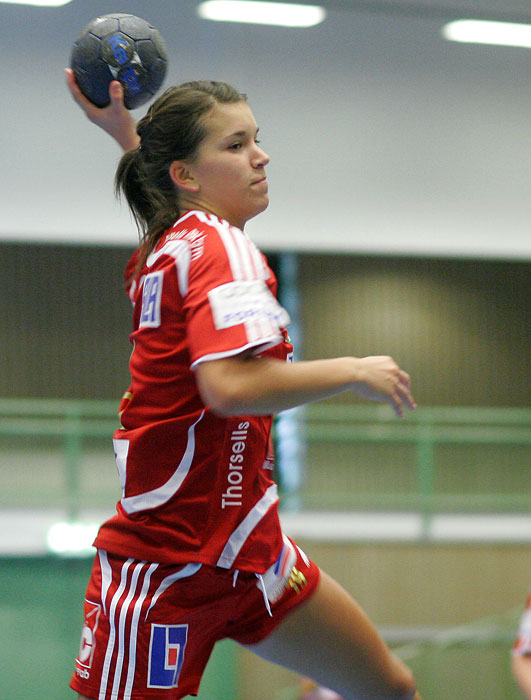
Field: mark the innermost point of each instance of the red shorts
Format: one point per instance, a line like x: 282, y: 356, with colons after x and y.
x: 149, y: 629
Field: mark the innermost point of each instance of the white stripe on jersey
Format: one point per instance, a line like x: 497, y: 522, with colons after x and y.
x: 246, y: 264
x: 245, y: 260
x: 257, y: 347
x: 247, y: 525
x: 192, y: 212
x: 244, y: 257
x: 132, y: 290
x: 180, y: 251
x: 162, y: 494
x: 240, y: 271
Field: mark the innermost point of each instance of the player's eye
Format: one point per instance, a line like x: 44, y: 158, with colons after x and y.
x: 235, y: 146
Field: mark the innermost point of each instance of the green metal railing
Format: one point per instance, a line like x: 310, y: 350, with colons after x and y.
x: 425, y: 430
x: 73, y: 425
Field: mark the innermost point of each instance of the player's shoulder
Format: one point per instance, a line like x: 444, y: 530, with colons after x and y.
x: 200, y: 245
x: 218, y: 243
x: 193, y: 235
x: 214, y: 232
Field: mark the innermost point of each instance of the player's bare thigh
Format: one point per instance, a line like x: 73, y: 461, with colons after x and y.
x: 82, y: 697
x: 331, y: 640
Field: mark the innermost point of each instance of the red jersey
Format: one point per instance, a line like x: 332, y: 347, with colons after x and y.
x: 197, y: 487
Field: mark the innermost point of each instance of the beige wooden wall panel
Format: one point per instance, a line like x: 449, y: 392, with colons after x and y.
x: 410, y: 586
x: 460, y: 327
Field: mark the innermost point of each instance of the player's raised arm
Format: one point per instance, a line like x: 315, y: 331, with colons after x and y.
x: 115, y: 119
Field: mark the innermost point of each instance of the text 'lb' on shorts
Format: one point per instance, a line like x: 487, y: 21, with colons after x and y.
x: 149, y: 629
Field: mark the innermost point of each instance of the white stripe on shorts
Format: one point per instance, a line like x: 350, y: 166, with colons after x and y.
x: 120, y: 640
x: 106, y: 577
x: 134, y: 633
x: 185, y: 572
x: 121, y: 629
x: 112, y: 630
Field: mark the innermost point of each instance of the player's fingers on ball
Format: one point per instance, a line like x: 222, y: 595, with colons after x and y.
x: 71, y: 82
x: 76, y: 92
x: 116, y: 91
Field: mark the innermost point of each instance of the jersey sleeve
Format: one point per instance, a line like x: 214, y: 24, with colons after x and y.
x: 230, y: 306
x: 522, y: 644
x: 130, y: 272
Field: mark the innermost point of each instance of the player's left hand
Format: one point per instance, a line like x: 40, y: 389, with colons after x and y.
x: 115, y: 119
x: 383, y: 380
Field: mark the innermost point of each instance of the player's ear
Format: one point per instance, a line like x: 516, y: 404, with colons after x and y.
x: 182, y: 176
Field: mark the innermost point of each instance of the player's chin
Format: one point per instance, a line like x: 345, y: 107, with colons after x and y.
x: 256, y: 206
x: 262, y: 203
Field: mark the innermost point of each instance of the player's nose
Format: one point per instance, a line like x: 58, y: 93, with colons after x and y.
x: 260, y: 157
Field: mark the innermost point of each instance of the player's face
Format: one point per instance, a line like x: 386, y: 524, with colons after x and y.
x: 229, y: 167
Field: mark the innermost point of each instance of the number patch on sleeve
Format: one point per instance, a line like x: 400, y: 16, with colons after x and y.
x: 151, y: 296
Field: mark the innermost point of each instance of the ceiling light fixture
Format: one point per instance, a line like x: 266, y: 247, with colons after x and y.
x: 39, y: 3
x: 483, y: 32
x: 276, y: 13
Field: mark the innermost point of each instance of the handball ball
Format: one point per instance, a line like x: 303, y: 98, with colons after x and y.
x: 119, y: 47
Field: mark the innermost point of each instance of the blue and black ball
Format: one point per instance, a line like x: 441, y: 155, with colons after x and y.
x: 119, y: 47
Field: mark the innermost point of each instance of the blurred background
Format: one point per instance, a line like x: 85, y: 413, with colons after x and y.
x: 399, y: 224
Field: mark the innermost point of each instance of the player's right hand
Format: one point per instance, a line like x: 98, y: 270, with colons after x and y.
x: 114, y: 119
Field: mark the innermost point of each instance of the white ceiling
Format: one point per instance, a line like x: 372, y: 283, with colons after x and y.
x: 383, y: 137
x: 506, y: 10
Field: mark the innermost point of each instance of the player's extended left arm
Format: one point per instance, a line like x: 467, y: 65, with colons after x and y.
x: 245, y: 385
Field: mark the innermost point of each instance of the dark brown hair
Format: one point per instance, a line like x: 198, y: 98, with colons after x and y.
x: 171, y: 130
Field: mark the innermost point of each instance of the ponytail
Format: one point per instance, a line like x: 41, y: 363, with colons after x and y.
x: 153, y: 210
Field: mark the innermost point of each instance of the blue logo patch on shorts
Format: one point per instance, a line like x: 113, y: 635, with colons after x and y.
x: 166, y: 655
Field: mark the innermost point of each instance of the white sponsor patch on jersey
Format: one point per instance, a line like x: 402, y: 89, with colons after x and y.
x: 245, y: 301
x: 151, y: 295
